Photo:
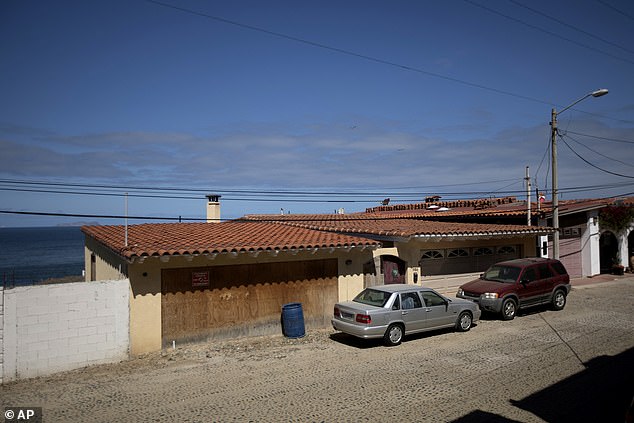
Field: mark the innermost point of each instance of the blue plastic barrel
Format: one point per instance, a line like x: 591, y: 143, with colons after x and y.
x: 293, y: 320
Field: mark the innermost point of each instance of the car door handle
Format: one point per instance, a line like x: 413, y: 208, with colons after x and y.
x: 428, y: 309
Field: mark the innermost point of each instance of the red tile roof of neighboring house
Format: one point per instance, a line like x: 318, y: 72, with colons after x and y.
x: 477, y: 207
x: 209, y: 238
x: 502, y: 207
x: 370, y: 225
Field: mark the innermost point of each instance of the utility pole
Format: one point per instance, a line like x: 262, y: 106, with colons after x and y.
x: 553, y: 144
x: 555, y: 184
x: 528, y: 197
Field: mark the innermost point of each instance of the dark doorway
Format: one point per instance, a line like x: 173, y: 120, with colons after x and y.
x: 608, y: 251
x: 393, y: 269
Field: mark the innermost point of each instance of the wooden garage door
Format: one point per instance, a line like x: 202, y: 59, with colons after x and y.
x: 231, y: 301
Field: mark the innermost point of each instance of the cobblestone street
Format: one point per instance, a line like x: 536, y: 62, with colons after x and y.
x: 573, y: 365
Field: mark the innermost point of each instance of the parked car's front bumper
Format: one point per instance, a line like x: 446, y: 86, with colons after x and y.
x: 493, y: 305
x: 365, y: 331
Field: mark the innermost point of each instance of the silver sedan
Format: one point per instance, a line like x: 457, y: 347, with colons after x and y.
x: 393, y: 311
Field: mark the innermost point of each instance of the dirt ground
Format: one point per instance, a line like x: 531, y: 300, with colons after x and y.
x: 542, y: 366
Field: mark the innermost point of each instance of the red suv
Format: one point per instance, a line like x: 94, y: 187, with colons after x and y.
x: 511, y: 285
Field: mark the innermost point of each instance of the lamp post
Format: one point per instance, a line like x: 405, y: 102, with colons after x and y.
x: 553, y: 144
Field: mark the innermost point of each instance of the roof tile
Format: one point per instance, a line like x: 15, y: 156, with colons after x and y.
x: 201, y: 238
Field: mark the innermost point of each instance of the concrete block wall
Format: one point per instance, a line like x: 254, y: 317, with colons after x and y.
x: 52, y: 328
x: 1, y: 334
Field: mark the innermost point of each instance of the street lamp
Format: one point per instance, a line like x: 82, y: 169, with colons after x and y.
x: 553, y: 144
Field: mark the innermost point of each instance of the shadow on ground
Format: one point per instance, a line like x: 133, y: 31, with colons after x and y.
x: 600, y: 393
x: 353, y: 341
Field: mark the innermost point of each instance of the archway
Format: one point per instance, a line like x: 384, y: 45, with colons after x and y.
x: 608, y: 251
x: 630, y: 250
x: 393, y: 269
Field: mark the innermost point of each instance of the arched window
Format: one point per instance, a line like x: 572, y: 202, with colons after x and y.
x: 483, y: 251
x: 507, y: 249
x: 458, y: 252
x: 432, y: 254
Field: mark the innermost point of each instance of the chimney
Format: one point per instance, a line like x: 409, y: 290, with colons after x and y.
x: 213, y: 208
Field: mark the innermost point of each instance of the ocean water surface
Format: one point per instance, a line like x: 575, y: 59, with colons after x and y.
x: 31, y: 255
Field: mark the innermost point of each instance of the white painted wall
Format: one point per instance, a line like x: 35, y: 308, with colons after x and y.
x: 590, y: 252
x: 52, y: 328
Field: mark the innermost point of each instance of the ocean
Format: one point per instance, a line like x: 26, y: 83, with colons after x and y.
x: 31, y: 255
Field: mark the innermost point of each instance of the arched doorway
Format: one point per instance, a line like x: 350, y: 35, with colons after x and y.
x: 630, y: 250
x: 608, y: 251
x: 393, y: 269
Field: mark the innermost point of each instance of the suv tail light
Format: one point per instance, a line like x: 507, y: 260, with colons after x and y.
x: 364, y: 318
x: 336, y: 311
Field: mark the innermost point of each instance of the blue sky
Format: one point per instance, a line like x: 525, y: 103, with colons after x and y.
x: 305, y: 106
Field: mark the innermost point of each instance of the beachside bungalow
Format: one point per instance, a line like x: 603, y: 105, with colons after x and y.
x: 197, y: 281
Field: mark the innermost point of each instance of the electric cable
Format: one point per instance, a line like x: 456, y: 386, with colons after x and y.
x: 608, y: 5
x: 349, y: 52
x: 591, y: 164
x: 547, y: 31
x: 597, y: 152
x: 559, y: 21
x: 600, y: 138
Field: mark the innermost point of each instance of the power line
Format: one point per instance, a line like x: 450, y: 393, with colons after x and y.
x: 397, y: 197
x: 129, y: 188
x: 418, y: 191
x: 388, y: 62
x: 349, y: 52
x: 547, y: 31
x: 599, y: 138
x: 591, y: 164
x: 559, y: 21
x: 597, y: 152
x: 270, y: 218
x: 606, y: 4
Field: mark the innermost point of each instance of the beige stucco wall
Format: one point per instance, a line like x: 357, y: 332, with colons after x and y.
x: 145, y: 280
x: 411, y: 251
x: 145, y: 307
x: 107, y: 266
x: 351, y: 273
x: 145, y: 274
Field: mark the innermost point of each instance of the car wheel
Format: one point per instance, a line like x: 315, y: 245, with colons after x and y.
x: 559, y: 300
x: 393, y: 335
x: 464, y: 321
x: 509, y: 308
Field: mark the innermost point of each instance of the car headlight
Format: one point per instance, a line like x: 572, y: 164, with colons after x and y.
x: 460, y: 292
x: 489, y: 295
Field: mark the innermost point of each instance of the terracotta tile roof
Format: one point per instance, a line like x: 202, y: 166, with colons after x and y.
x: 209, y: 238
x: 574, y: 206
x: 507, y: 206
x: 478, y: 206
x: 370, y: 225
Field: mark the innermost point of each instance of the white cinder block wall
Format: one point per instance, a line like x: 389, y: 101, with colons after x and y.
x: 52, y: 328
x: 1, y: 334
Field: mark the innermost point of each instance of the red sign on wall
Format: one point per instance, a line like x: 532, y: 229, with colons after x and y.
x: 200, y: 279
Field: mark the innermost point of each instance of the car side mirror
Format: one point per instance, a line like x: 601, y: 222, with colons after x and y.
x: 481, y: 275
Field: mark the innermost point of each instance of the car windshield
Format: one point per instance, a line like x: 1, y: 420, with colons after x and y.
x: 372, y: 297
x: 507, y: 274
